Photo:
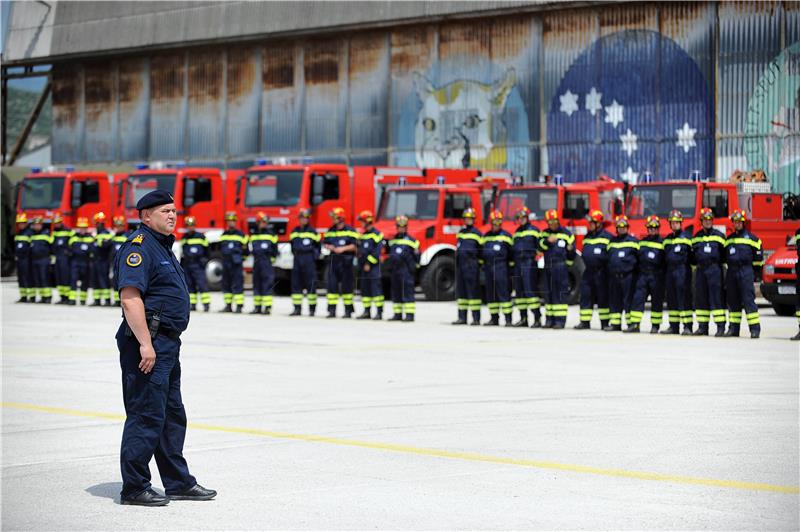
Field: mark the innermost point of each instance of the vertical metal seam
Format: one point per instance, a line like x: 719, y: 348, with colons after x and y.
x: 300, y: 64
x: 345, y: 50
x: 185, y: 108
x: 117, y: 121
x: 82, y: 114
x: 716, y: 88
x: 222, y: 145
x: 259, y: 81
x: 148, y: 121
x: 389, y: 133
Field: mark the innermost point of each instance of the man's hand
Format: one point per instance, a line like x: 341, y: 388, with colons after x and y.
x: 366, y: 267
x: 148, y: 358
x: 337, y: 250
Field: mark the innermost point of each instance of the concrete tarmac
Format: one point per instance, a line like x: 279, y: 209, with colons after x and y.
x: 304, y: 423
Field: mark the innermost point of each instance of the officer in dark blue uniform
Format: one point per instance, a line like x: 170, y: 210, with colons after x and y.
x: 61, y: 236
x: 403, y: 260
x: 41, y: 244
x: 594, y: 283
x: 305, y: 242
x: 119, y: 237
x: 369, y: 267
x: 744, y: 257
x: 233, y: 245
x: 155, y: 306
x: 650, y: 278
x: 708, y: 250
x: 22, y: 252
x: 194, y: 256
x: 469, y: 243
x: 80, y: 270
x: 678, y: 284
x: 558, y: 245
x: 526, y: 271
x: 264, y: 247
x: 100, y: 262
x: 497, y: 254
x: 623, y: 252
x: 341, y: 241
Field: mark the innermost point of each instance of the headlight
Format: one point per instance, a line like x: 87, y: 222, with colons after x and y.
x: 769, y: 269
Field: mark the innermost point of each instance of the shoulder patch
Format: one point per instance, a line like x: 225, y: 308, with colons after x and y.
x: 134, y: 260
x: 138, y: 239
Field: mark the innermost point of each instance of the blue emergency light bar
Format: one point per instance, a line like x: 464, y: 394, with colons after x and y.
x: 401, y: 180
x: 308, y: 159
x: 142, y: 166
x: 69, y: 168
x: 179, y: 165
x: 696, y: 176
x: 36, y: 170
x: 262, y: 162
x: 558, y: 180
x: 647, y: 177
x: 440, y: 180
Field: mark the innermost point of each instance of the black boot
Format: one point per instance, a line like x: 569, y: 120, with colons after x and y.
x: 672, y: 329
x: 523, y: 320
x: 22, y: 300
x: 348, y: 311
x: 796, y: 337
x: 733, y: 331
x: 331, y: 312
x: 476, y: 317
x: 256, y: 310
x: 107, y: 304
x: 238, y: 309
x: 494, y: 321
x: 509, y: 319
x: 537, y: 322
x: 409, y: 317
x: 700, y: 331
x: 207, y: 307
x: 755, y: 333
x: 193, y: 307
x: 398, y: 316
x: 634, y: 328
x: 559, y: 325
x: 312, y: 310
x: 378, y: 314
x: 72, y: 302
x: 95, y: 303
x: 720, y: 330
x: 612, y: 328
x: 364, y: 315
x: 227, y: 308
x: 654, y: 329
x: 267, y: 310
x: 548, y: 324
x: 296, y: 311
x: 582, y: 325
x: 48, y: 300
x: 687, y: 330
x: 462, y: 318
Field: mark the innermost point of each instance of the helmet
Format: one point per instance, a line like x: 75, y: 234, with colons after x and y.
x: 261, y: 216
x: 337, y: 213
x: 401, y: 221
x: 304, y: 213
x: 595, y: 215
x: 230, y: 216
x: 190, y: 221
x: 496, y: 216
x: 739, y: 216
x: 469, y: 212
x: 552, y: 214
x: 83, y: 222
x: 523, y: 212
x: 36, y: 219
x: 99, y: 217
x: 22, y: 218
x: 652, y: 221
x: 675, y: 216
x: 621, y: 221
x: 706, y: 214
x: 57, y: 217
x: 120, y: 220
x: 366, y: 216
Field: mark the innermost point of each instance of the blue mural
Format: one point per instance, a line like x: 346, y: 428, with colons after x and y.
x: 632, y: 102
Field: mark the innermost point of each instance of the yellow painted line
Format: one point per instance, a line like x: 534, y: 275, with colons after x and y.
x: 472, y: 457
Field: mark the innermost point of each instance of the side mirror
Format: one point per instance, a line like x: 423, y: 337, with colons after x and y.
x: 188, y: 192
x: 77, y: 192
x: 317, y: 186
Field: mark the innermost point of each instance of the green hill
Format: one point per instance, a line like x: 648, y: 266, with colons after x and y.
x: 20, y: 105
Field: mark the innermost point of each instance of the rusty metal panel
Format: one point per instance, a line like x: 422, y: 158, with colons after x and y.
x: 68, y: 114
x: 168, y: 106
x: 282, y: 98
x: 134, y: 108
x: 369, y: 86
x: 244, y: 100
x: 325, y: 103
x: 100, y: 107
x: 207, y: 89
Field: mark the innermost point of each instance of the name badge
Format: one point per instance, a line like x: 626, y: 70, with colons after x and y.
x: 20, y: 245
x: 597, y: 251
x: 496, y: 247
x: 707, y: 249
x: 264, y: 245
x: 193, y: 250
x: 621, y: 254
x: 342, y: 242
x: 677, y: 248
x: 651, y: 255
x: 306, y: 241
x: 366, y: 245
x: 399, y: 251
x: 733, y: 251
x: 84, y: 247
x: 562, y: 244
x: 230, y: 245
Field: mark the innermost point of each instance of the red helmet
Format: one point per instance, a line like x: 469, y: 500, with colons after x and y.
x: 552, y: 214
x: 99, y: 217
x: 366, y: 216
x: 621, y: 221
x: 706, y: 214
x: 495, y: 216
x: 261, y: 216
x: 595, y: 215
x: 675, y: 216
x: 652, y: 221
x: 523, y: 212
x: 337, y: 213
x: 738, y: 216
x: 469, y: 212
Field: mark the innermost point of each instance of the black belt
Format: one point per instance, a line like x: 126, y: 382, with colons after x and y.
x: 172, y: 334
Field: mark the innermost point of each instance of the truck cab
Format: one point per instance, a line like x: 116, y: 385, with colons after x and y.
x: 779, y: 278
x: 74, y: 193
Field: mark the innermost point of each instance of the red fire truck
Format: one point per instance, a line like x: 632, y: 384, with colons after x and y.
x: 778, y: 279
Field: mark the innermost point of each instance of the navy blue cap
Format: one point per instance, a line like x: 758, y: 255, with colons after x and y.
x: 154, y: 199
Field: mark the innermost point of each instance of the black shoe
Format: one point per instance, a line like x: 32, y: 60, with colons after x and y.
x: 612, y: 328
x: 85, y: 302
x: 720, y: 332
x: 547, y: 324
x: 256, y: 310
x: 207, y: 307
x: 654, y: 329
x: 459, y: 321
x: 523, y: 322
x: 267, y: 310
x: 755, y: 334
x: 493, y: 322
x: 95, y: 303
x: 364, y: 316
x: 475, y: 323
x: 331, y: 314
x: 238, y: 309
x: 49, y: 300
x: 21, y: 300
x: 731, y: 332
x: 312, y: 311
x: 396, y: 317
x: 296, y: 311
x: 537, y: 324
x: 582, y: 325
x: 700, y: 332
x: 227, y: 308
x: 378, y: 316
x: 632, y: 329
x: 409, y: 317
x: 796, y: 337
x: 687, y: 330
x: 347, y: 315
x: 72, y: 302
x: 558, y: 325
x: 106, y: 304
x: 197, y: 493
x: 671, y: 330
x: 148, y: 497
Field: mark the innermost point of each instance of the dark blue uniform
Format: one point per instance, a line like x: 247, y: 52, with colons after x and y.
x: 743, y: 255
x: 305, y: 242
x: 649, y: 281
x: 594, y: 283
x: 497, y: 254
x: 156, y: 419
x: 80, y: 273
x: 558, y: 257
x: 264, y: 247
x: 233, y: 245
x: 678, y: 285
x: 340, y: 268
x: 119, y: 238
x: 22, y: 252
x: 402, y: 259
x: 708, y: 250
x: 526, y: 271
x: 41, y: 249
x: 61, y: 236
x: 623, y: 253
x: 194, y: 256
x: 469, y: 242
x: 101, y: 266
x: 369, y: 252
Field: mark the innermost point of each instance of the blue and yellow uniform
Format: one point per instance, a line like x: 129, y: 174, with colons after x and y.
x: 403, y: 260
x: 233, y: 244
x: 264, y: 247
x: 101, y: 267
x: 469, y: 244
x: 649, y: 281
x: 744, y: 256
x: 194, y: 256
x: 22, y: 252
x: 156, y: 418
x: 594, y: 282
x: 678, y: 285
x: 526, y: 272
x: 80, y: 254
x: 340, y: 268
x: 305, y: 242
x: 708, y: 250
x: 61, y: 236
x: 41, y: 249
x: 623, y: 252
x: 369, y: 253
x: 497, y: 256
x: 558, y: 257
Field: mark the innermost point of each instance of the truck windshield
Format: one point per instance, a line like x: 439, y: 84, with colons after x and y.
x: 538, y: 200
x: 42, y: 193
x: 139, y: 185
x: 273, y: 188
x: 660, y: 200
x: 416, y: 204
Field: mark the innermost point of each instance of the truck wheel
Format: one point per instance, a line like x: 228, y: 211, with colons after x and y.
x: 575, y: 276
x: 214, y: 271
x: 439, y: 279
x: 783, y: 310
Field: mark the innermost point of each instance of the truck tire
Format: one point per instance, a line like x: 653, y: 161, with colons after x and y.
x: 783, y: 310
x: 214, y: 271
x: 439, y: 279
x: 575, y: 276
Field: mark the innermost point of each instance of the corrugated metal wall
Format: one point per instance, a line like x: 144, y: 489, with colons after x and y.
x: 668, y: 88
